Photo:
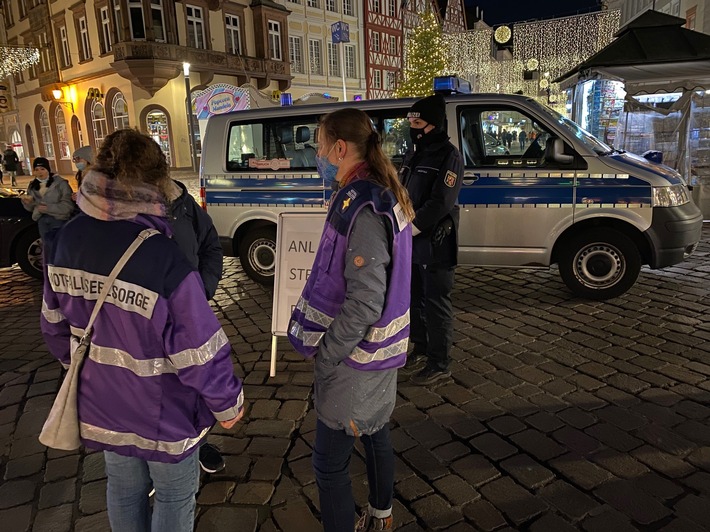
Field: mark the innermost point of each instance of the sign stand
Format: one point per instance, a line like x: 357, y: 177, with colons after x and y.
x: 297, y: 237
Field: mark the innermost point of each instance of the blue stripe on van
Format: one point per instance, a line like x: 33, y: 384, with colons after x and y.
x: 517, y: 191
x: 639, y: 162
x: 269, y: 182
x: 283, y: 197
x: 613, y: 194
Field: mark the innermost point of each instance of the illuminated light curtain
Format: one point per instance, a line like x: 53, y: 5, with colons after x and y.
x: 14, y: 59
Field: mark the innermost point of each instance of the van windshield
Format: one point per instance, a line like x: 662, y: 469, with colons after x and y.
x: 586, y: 138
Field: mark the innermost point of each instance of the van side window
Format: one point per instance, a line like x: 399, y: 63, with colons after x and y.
x: 287, y: 143
x: 395, y: 139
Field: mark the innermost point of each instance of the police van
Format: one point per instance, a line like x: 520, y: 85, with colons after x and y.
x: 553, y: 195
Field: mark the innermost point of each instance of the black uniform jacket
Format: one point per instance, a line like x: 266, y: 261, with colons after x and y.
x: 433, y: 175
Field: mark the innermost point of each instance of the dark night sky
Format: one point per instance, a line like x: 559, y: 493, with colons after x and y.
x: 501, y: 11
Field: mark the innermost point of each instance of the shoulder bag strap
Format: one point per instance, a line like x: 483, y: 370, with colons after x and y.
x: 142, y: 237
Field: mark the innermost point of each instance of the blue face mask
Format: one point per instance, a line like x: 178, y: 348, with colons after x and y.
x: 326, y: 169
x: 80, y: 166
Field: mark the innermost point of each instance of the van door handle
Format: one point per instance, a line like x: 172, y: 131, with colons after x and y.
x: 469, y: 178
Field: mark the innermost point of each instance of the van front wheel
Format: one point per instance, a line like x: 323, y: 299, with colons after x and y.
x: 599, y: 264
x: 257, y: 253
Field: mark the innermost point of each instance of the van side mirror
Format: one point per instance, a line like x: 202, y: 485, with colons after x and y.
x: 558, y: 152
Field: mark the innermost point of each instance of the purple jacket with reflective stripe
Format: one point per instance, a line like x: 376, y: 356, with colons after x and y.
x: 158, y: 372
x: 384, y: 344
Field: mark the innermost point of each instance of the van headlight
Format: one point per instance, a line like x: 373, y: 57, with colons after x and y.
x: 671, y: 196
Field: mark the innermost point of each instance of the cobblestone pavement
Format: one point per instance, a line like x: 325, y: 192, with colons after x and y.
x: 562, y: 414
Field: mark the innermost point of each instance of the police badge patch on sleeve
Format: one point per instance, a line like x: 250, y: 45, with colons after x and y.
x: 450, y: 179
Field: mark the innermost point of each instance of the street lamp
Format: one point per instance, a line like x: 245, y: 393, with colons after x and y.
x: 57, y: 94
x: 190, y: 117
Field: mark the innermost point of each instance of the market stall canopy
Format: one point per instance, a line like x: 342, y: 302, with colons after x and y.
x: 652, y: 53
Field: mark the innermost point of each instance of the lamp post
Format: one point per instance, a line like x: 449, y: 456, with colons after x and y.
x: 190, y: 117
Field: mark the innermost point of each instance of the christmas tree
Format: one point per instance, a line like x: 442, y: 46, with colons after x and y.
x: 425, y: 58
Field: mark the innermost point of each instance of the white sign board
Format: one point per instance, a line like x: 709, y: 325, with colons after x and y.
x: 297, y: 238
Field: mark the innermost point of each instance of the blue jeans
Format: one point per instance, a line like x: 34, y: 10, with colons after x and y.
x: 331, y: 461
x: 131, y: 479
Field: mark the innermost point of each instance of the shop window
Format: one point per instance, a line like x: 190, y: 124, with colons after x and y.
x: 158, y: 130
x: 62, y: 133
x: 46, y: 134
x: 98, y: 122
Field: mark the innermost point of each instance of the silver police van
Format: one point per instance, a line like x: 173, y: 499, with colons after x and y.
x: 537, y: 190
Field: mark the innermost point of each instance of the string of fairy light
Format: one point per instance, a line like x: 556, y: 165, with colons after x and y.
x: 14, y: 59
x: 557, y: 45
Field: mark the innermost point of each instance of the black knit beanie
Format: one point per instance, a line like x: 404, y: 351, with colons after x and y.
x: 431, y: 109
x: 44, y: 163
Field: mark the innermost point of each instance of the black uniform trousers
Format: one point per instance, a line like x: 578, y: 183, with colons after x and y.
x: 432, y: 319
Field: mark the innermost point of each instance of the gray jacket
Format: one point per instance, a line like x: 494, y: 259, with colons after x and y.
x: 359, y: 402
x: 57, y: 198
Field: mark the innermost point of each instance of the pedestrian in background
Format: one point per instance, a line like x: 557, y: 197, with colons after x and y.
x: 158, y: 373
x: 432, y: 173
x: 49, y: 198
x: 83, y: 158
x: 353, y: 316
x: 197, y: 237
x: 522, y: 139
x: 10, y: 161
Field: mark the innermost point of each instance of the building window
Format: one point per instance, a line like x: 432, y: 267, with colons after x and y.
x: 46, y: 134
x: 393, y: 45
x: 314, y: 3
x: 45, y: 62
x: 377, y: 79
x: 7, y: 10
x: 295, y: 52
x: 389, y: 80
x: 375, y: 41
x: 333, y: 64
x: 690, y: 15
x: 195, y: 27
x: 348, y: 8
x: 391, y: 8
x: 84, y: 46
x: 274, y: 40
x: 33, y: 67
x: 23, y: 8
x: 350, y: 61
x: 62, y: 134
x: 119, y: 112
x: 376, y: 6
x: 98, y: 121
x: 135, y: 18
x: 117, y: 20
x: 314, y: 56
x: 158, y: 20
x: 105, y: 21
x: 234, y: 34
x: 331, y: 5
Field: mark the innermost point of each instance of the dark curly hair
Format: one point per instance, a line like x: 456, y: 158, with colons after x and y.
x: 131, y: 157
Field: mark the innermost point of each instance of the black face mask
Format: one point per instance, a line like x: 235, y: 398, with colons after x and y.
x: 416, y: 134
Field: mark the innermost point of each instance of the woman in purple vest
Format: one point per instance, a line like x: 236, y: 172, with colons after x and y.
x: 353, y: 316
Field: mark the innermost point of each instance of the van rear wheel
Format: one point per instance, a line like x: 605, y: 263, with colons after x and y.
x: 28, y: 253
x: 257, y: 253
x: 599, y: 264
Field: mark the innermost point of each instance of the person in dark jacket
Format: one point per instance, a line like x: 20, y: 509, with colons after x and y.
x: 353, y: 316
x: 159, y: 372
x: 432, y: 173
x: 197, y: 237
x: 48, y: 198
x: 10, y: 161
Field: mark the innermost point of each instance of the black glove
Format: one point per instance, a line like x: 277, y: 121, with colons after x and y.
x: 442, y: 231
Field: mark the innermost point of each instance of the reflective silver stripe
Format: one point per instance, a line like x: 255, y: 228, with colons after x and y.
x: 230, y: 413
x: 122, y: 359
x: 52, y: 315
x: 111, y: 437
x: 363, y: 357
x: 200, y: 355
x: 76, y: 331
x: 316, y: 316
x: 380, y: 334
x: 308, y: 338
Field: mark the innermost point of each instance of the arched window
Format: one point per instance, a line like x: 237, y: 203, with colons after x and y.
x: 62, y: 134
x: 98, y: 120
x: 16, y: 141
x: 119, y: 112
x: 46, y: 134
x: 159, y: 130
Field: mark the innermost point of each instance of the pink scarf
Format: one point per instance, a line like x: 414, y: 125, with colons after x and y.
x: 107, y: 199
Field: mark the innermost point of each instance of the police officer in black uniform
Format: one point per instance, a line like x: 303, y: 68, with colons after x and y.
x: 432, y: 172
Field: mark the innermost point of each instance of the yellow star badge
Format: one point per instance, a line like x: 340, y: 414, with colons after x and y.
x: 346, y: 203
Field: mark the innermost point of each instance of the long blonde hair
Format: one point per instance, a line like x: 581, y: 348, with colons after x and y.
x: 353, y: 125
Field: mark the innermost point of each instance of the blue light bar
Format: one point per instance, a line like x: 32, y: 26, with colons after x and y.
x: 286, y: 99
x: 451, y: 85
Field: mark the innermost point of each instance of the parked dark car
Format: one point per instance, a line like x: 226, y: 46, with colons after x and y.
x: 19, y: 235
